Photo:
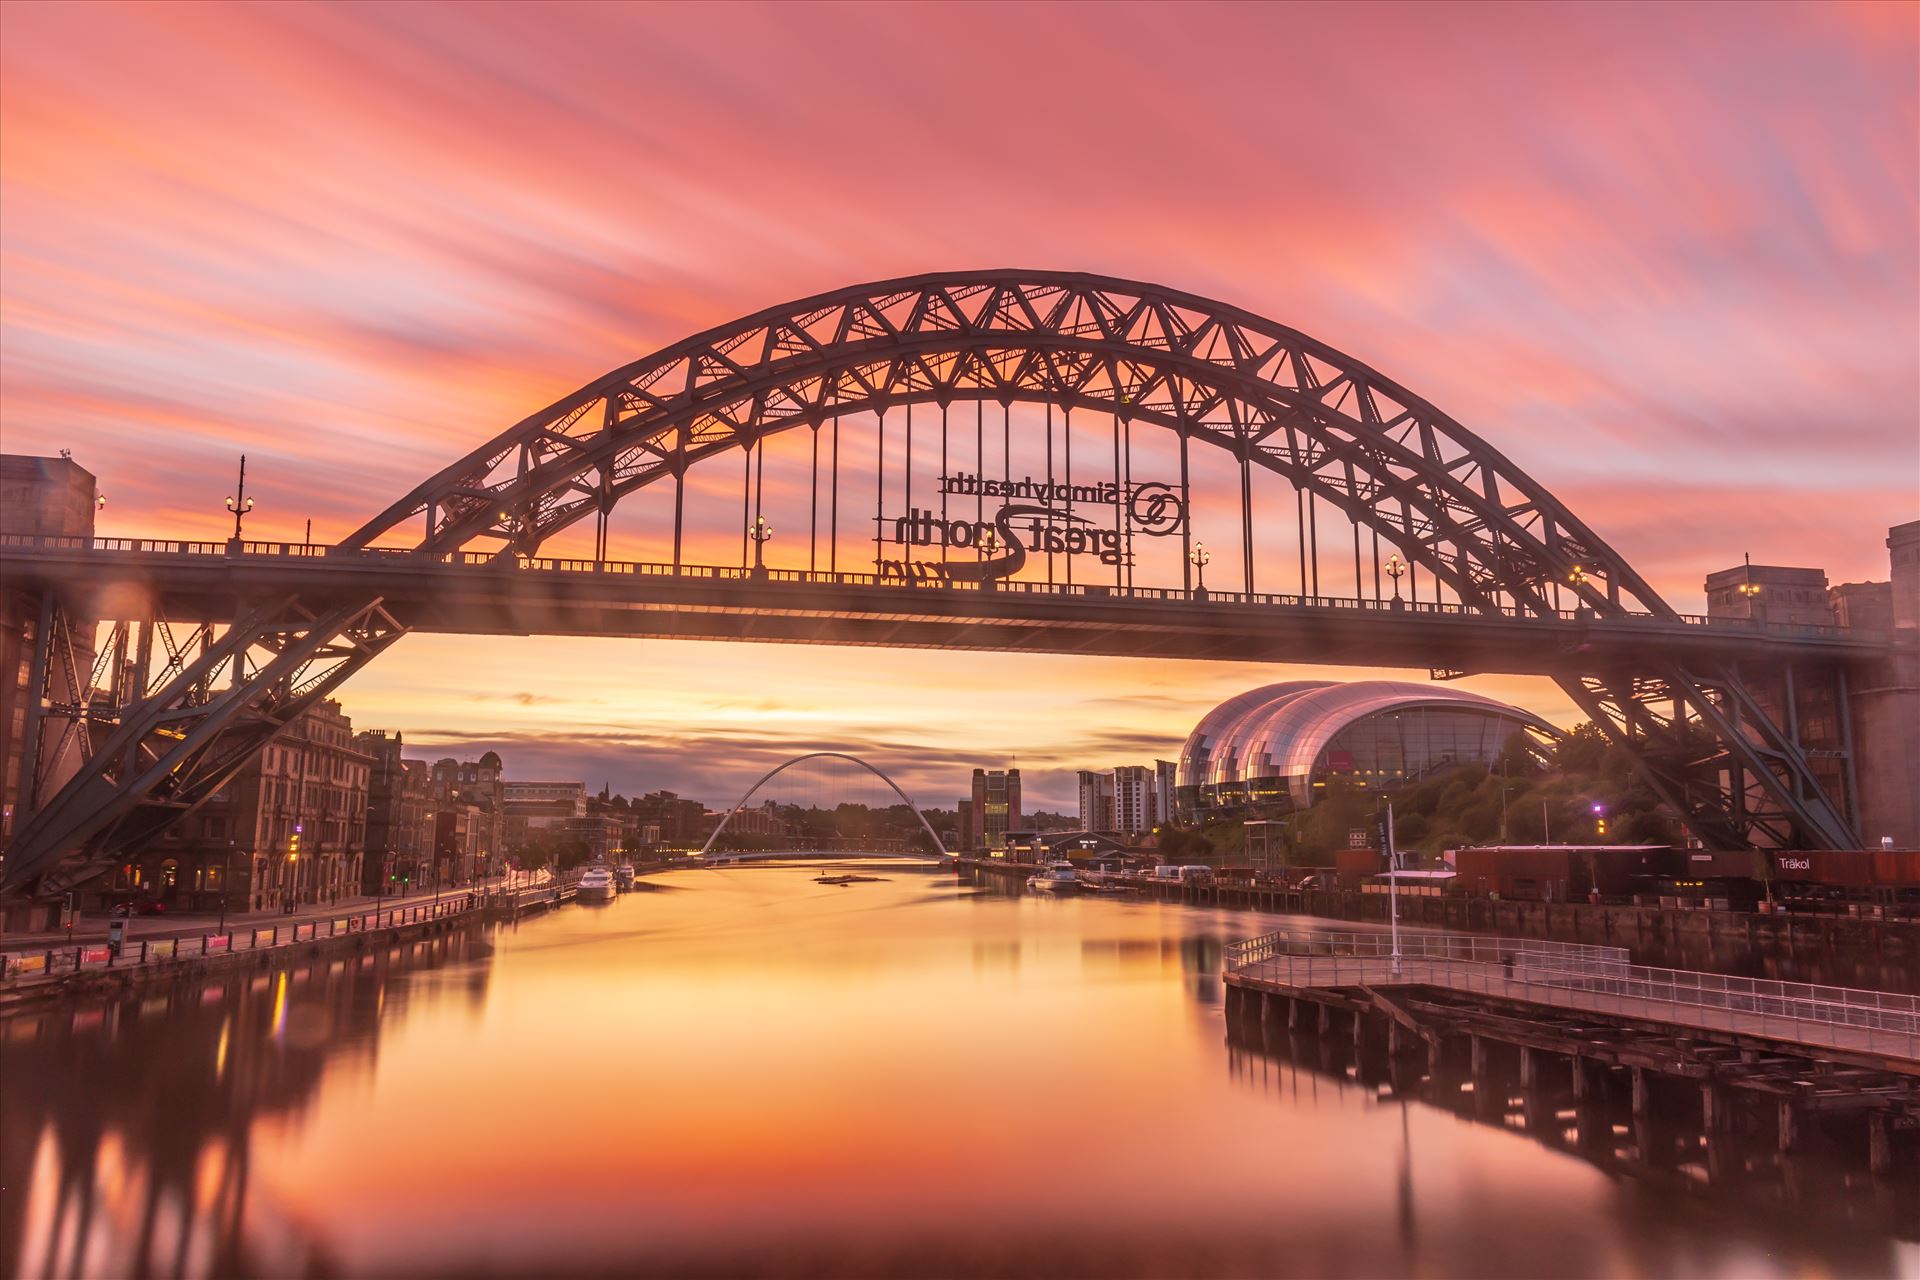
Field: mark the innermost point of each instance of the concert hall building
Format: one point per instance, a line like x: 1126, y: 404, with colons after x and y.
x: 1279, y: 746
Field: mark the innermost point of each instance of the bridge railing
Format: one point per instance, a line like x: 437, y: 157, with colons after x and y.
x: 730, y: 573
x: 49, y: 962
x: 1598, y: 979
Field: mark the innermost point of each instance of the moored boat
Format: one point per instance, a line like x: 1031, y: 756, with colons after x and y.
x: 1056, y: 877
x: 596, y: 885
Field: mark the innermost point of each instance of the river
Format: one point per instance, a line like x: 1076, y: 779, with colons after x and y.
x: 743, y: 1072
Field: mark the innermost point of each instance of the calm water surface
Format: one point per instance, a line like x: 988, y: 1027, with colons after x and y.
x: 745, y: 1073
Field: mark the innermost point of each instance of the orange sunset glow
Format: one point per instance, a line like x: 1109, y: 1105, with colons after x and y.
x: 1663, y: 258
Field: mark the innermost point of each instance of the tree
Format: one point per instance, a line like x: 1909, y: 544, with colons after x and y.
x: 1581, y: 751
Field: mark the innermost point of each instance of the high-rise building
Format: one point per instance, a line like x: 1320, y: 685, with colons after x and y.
x: 39, y: 497
x: 995, y: 808
x: 1097, y: 801
x: 1133, y: 799
x: 1166, y: 777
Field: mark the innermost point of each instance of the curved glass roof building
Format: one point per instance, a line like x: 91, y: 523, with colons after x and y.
x: 1282, y: 743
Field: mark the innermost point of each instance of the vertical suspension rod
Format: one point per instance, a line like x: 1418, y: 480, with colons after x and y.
x: 833, y: 501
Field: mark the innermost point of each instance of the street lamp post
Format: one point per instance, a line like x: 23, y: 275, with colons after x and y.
x: 1393, y: 889
x: 760, y: 533
x: 1396, y: 569
x: 988, y: 544
x: 1749, y: 588
x: 239, y: 503
x: 1201, y: 558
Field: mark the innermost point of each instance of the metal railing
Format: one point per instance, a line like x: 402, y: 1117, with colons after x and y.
x: 50, y: 962
x: 1478, y: 948
x: 730, y: 573
x: 1591, y: 978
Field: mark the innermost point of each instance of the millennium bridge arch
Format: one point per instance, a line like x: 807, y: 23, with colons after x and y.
x: 1215, y: 404
x: 939, y: 848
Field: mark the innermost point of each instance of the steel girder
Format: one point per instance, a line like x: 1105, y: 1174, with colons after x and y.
x: 1267, y: 394
x: 1713, y: 753
x: 1213, y: 374
x: 183, y: 733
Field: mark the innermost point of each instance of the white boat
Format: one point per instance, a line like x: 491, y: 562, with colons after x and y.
x: 1056, y: 877
x: 596, y: 885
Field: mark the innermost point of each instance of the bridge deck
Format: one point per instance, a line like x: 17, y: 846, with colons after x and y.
x: 113, y: 578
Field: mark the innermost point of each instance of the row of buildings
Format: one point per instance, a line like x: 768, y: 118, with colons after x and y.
x: 321, y: 814
x: 325, y: 813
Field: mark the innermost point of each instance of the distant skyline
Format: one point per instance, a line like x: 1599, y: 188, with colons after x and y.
x: 1662, y: 257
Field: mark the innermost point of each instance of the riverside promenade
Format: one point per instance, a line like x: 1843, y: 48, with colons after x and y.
x: 31, y: 974
x: 1810, y: 1055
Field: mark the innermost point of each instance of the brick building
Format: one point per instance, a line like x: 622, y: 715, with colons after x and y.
x: 470, y: 798
x: 400, y: 816
x: 290, y: 828
x: 661, y: 819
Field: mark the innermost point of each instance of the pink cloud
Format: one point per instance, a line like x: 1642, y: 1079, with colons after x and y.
x: 1661, y: 258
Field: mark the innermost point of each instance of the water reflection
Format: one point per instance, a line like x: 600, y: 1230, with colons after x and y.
x: 757, y: 1075
x: 1805, y: 1202
x: 129, y: 1138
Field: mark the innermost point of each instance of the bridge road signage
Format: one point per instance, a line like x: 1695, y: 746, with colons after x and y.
x: 1037, y: 517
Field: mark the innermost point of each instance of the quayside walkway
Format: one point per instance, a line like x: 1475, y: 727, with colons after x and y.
x: 1572, y: 976
x: 1810, y: 1064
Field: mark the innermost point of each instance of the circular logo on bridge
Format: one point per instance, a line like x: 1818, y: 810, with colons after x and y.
x: 1156, y: 509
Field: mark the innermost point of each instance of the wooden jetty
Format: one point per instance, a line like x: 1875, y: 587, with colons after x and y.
x: 1806, y: 1058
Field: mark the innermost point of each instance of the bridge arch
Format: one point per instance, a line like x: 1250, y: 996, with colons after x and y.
x: 939, y: 847
x: 1212, y: 374
x: 1702, y: 717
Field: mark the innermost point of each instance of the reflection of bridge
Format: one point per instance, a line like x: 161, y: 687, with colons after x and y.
x: 1742, y: 729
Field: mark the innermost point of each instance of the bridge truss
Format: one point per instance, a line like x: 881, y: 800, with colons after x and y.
x: 1719, y: 731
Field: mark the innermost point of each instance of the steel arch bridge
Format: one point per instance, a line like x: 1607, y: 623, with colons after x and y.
x: 940, y: 849
x: 1741, y: 727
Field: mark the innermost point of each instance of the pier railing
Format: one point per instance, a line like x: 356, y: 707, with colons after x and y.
x: 47, y: 962
x: 1433, y: 946
x: 1591, y: 978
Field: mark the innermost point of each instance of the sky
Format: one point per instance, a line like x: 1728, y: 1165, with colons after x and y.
x: 1663, y: 257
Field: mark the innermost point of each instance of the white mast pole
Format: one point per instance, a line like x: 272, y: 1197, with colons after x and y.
x: 1393, y: 889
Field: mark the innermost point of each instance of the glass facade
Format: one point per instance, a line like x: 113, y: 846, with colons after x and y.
x: 1279, y: 745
